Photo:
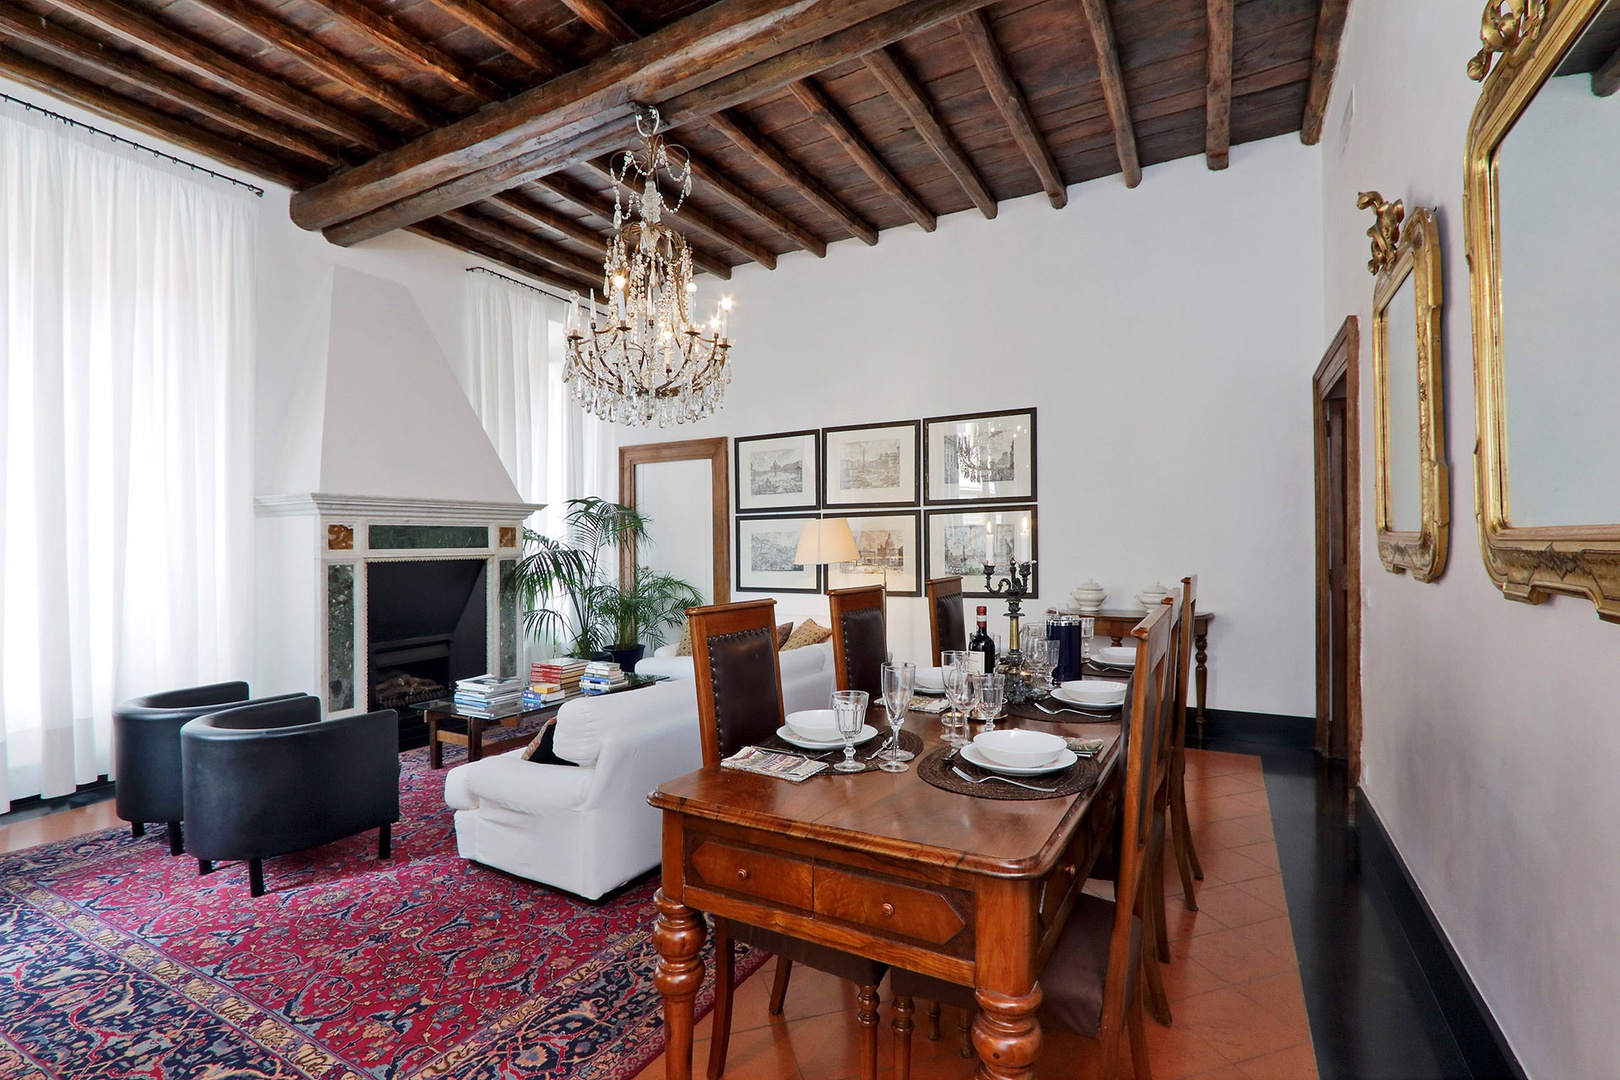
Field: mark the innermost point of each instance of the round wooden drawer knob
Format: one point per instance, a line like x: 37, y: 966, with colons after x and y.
x: 888, y: 909
x: 742, y: 875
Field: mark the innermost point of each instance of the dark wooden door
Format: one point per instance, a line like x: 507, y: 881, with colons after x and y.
x: 1338, y: 550
x: 1338, y: 544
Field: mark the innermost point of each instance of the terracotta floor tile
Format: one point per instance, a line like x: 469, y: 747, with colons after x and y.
x: 1185, y: 977
x: 1210, y: 787
x: 1229, y: 1021
x: 1231, y: 956
x: 1223, y: 865
x: 1216, y: 763
x: 1179, y: 1051
x: 1264, y: 853
x: 1259, y: 821
x: 1215, y: 835
x: 1219, y: 807
x: 1181, y: 924
x: 1268, y: 888
x: 1281, y: 995
x: 1273, y: 935
x: 1232, y: 906
x: 1294, y: 1063
x: 1225, y: 1072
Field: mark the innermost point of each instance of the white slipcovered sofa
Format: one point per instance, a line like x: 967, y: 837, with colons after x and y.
x: 588, y: 829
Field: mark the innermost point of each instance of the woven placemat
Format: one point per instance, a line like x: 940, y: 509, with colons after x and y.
x: 1077, y: 778
x: 909, y: 741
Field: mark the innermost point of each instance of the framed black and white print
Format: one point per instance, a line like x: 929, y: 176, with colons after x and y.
x: 980, y: 458
x: 962, y: 541
x: 891, y: 553
x: 869, y: 465
x: 778, y: 472
x: 765, y: 550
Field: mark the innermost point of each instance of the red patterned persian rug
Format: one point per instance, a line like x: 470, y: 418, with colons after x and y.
x: 118, y: 960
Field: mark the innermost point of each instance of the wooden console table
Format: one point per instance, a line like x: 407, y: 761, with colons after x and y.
x: 1116, y: 625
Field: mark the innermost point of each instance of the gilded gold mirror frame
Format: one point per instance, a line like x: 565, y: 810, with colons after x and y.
x: 1416, y: 258
x: 1527, y: 564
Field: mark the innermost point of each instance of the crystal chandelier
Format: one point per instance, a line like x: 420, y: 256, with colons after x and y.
x: 641, y: 360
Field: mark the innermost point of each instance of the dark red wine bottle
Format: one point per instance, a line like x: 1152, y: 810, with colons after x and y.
x: 982, y: 642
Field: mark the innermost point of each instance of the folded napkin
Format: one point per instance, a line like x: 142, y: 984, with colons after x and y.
x: 1085, y: 747
x: 929, y: 705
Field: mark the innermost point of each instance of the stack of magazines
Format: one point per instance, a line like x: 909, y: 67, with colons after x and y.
x: 561, y: 671
x: 488, y: 696
x: 602, y: 677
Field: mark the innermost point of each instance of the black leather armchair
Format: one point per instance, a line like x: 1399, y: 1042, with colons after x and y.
x: 146, y: 748
x: 272, y: 777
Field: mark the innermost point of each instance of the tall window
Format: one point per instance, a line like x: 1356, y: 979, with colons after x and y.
x: 126, y: 476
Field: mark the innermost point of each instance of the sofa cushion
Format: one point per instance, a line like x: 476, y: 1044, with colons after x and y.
x: 584, y: 722
x: 808, y: 632
x: 783, y: 632
x: 683, y: 647
x: 542, y: 749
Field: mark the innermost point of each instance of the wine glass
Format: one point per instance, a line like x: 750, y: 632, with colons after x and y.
x: 992, y: 693
x: 1088, y: 627
x: 1048, y: 656
x: 849, y: 706
x: 971, y: 688
x: 898, y: 681
x: 954, y: 671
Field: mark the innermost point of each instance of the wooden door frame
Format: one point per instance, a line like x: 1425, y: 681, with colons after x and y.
x: 1342, y: 360
x: 718, y: 454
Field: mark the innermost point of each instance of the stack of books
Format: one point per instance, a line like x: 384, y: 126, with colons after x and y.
x: 541, y: 694
x: 487, y: 695
x: 563, y: 672
x: 601, y: 677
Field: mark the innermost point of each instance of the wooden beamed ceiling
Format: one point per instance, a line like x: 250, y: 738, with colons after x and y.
x: 491, y: 124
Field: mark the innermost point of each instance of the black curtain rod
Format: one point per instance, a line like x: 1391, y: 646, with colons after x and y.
x: 525, y: 284
x: 192, y: 165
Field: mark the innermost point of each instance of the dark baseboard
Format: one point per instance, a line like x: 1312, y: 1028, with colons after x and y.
x: 1237, y: 732
x: 1480, y: 1040
x: 34, y: 806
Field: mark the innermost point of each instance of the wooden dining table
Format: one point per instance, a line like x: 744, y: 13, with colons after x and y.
x: 887, y: 866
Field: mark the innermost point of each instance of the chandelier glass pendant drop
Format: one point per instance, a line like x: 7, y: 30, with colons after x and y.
x: 641, y: 360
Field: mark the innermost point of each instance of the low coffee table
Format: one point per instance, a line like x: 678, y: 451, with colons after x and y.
x: 446, y: 724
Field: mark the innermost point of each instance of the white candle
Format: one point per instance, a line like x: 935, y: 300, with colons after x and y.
x: 990, y: 543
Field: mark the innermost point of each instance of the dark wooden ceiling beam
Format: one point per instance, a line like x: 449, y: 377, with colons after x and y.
x: 317, y: 57
x: 387, y: 35
x: 569, y: 263
x: 1606, y: 78
x: 497, y: 30
x: 1218, y: 87
x: 1113, y: 88
x: 233, y: 152
x: 60, y: 41
x: 599, y: 204
x: 709, y: 226
x: 603, y: 19
x: 774, y: 160
x: 156, y: 39
x: 666, y: 67
x: 902, y: 86
x: 1330, y: 16
x: 1011, y: 103
x: 710, y: 177
x: 558, y: 222
x: 444, y: 232
x: 842, y: 131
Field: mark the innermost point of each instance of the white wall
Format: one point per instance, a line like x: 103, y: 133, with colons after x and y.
x: 1162, y: 333
x: 1489, y: 734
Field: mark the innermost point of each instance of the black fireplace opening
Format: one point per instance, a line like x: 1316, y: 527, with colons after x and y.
x: 426, y: 627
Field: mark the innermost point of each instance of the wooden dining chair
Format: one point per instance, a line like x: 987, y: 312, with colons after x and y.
x: 860, y: 640
x: 1180, y: 827
x: 1155, y: 917
x: 739, y: 697
x: 1092, y: 982
x: 947, y: 626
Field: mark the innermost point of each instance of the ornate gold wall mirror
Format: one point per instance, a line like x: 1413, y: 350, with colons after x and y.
x: 1543, y: 227
x: 1412, y: 483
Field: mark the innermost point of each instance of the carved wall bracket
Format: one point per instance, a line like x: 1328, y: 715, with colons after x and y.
x: 1506, y: 26
x: 1385, y: 229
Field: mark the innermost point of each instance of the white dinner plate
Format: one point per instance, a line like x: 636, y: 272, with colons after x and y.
x: 785, y: 733
x: 1122, y: 656
x: 1062, y: 696
x: 1064, y: 759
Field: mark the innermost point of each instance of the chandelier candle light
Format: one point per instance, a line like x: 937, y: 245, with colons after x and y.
x: 642, y: 360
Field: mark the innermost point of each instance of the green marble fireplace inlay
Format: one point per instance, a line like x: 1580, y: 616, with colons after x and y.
x: 402, y: 537
x: 339, y: 637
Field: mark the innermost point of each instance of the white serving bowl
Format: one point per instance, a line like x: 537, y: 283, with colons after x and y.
x: 1118, y: 655
x: 930, y: 678
x: 1093, y: 691
x: 1019, y: 748
x: 814, y: 725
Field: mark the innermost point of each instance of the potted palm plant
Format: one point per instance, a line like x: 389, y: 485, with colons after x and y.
x: 574, y: 600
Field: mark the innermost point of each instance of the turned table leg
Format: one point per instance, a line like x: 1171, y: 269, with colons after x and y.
x: 678, y: 935
x: 1201, y: 654
x: 435, y: 747
x: 1007, y: 1035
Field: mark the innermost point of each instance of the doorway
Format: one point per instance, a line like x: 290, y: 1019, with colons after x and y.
x: 1337, y: 422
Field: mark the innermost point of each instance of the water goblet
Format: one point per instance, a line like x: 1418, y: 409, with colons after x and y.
x: 1049, y: 654
x: 898, y: 681
x: 971, y: 686
x: 992, y: 693
x: 1088, y: 627
x: 849, y: 706
x: 954, y: 671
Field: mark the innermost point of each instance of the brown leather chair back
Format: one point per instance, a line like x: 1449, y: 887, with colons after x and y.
x: 739, y: 680
x: 860, y: 639
x: 947, y: 626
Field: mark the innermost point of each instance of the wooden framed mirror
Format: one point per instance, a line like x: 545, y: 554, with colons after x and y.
x: 1412, y: 485
x: 686, y: 488
x: 1543, y: 150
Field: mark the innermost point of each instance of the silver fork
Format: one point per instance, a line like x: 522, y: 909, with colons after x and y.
x: 1082, y: 712
x: 1003, y: 779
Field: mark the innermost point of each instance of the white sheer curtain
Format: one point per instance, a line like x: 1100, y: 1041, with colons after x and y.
x: 126, y: 474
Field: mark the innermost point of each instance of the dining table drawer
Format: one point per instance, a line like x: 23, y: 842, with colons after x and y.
x: 893, y: 908
x: 746, y: 871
